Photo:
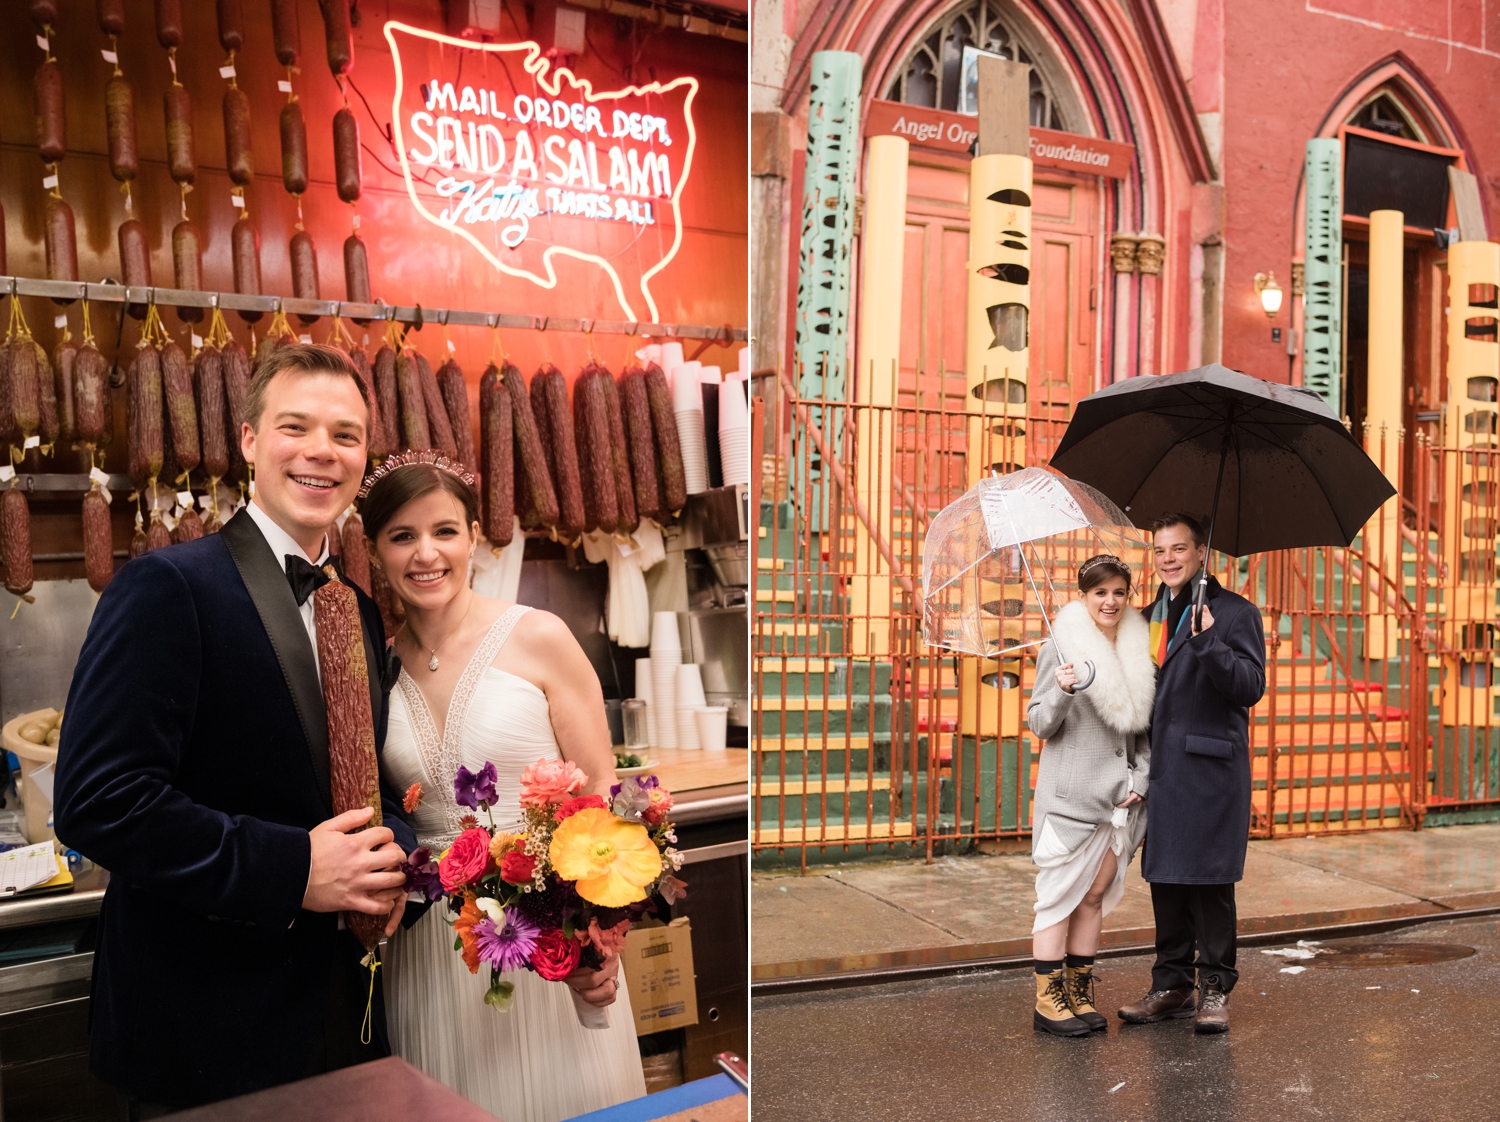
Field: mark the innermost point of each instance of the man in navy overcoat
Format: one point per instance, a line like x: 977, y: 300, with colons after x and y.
x: 1207, y: 680
x: 194, y: 767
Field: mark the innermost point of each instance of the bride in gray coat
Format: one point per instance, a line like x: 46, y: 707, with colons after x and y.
x: 1089, y: 810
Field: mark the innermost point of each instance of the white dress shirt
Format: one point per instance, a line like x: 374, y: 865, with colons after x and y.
x: 283, y: 544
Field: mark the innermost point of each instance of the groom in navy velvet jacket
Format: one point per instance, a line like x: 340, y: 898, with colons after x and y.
x: 194, y: 767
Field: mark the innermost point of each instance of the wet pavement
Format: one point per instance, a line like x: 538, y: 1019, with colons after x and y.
x: 805, y: 923
x: 1408, y: 1043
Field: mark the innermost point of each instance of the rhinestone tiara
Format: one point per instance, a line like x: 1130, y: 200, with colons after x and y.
x: 406, y: 459
x: 1102, y: 559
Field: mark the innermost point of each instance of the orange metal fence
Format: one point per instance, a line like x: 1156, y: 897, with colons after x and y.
x: 865, y: 738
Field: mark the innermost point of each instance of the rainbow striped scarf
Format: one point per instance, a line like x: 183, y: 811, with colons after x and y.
x: 1160, y: 640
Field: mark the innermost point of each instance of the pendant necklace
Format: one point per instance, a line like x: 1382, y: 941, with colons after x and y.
x: 432, y: 663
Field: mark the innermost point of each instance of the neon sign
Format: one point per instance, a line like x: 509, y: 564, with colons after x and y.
x: 527, y: 164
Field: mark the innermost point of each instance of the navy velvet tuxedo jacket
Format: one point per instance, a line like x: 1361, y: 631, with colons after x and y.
x: 193, y: 762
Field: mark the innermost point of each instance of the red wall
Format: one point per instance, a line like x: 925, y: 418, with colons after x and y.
x: 1277, y: 95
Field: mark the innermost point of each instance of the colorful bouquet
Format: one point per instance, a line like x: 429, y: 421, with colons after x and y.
x: 561, y: 894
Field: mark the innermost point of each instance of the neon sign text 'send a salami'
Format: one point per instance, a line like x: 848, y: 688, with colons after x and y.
x: 529, y: 163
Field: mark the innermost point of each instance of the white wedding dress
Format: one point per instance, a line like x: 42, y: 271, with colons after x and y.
x: 534, y: 1062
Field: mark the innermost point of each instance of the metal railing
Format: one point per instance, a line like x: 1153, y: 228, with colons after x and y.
x: 864, y: 738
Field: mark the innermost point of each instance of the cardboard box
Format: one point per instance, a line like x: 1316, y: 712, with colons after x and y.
x: 658, y: 967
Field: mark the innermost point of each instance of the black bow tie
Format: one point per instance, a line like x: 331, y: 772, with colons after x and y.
x: 304, y: 577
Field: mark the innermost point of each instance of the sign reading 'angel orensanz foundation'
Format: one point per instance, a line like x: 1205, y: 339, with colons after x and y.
x: 955, y: 132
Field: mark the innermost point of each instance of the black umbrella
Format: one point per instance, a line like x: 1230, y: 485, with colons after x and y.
x: 1273, y: 465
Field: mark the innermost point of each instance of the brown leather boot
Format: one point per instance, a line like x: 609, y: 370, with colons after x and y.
x: 1081, y: 997
x: 1053, y: 1013
x: 1159, y: 1005
x: 1213, y: 1010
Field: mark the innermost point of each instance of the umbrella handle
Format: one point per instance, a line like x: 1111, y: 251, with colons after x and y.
x: 1086, y: 682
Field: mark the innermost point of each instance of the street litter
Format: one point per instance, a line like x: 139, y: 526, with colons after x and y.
x: 1301, y: 950
x: 1293, y: 969
x: 1116, y: 1087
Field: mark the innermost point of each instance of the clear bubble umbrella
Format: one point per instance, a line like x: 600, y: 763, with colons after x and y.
x: 1006, y: 541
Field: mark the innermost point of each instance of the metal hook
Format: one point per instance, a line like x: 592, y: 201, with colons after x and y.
x: 539, y: 323
x: 586, y: 326
x: 213, y: 298
x: 494, y: 319
x: 634, y: 328
x: 443, y: 316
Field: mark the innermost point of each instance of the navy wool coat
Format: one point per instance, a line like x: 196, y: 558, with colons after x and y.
x: 193, y: 762
x: 1200, y: 746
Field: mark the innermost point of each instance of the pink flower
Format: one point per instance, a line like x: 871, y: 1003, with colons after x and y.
x: 547, y: 782
x: 609, y: 940
x: 465, y: 860
x: 671, y: 888
x: 661, y: 803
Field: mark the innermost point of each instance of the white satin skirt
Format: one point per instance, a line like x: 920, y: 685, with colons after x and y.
x: 1063, y: 878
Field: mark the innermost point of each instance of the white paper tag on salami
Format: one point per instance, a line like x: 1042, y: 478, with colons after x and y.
x: 60, y: 320
x: 129, y: 203
x: 32, y: 442
x: 225, y: 71
x: 41, y: 41
x: 7, y: 473
x: 237, y: 201
x: 451, y: 347
x: 169, y: 521
x: 304, y: 338
x: 177, y: 511
x: 110, y: 57
x: 197, y: 340
x: 284, y: 86
x: 184, y: 498
x: 366, y: 342
x: 172, y: 62
x: 49, y: 182
x: 356, y: 222
x: 99, y: 476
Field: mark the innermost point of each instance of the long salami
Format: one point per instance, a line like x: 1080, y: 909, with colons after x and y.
x: 455, y: 394
x: 236, y: 368
x: 63, y: 358
x: 91, y: 395
x: 549, y: 399
x: 669, y: 470
x: 15, y: 521
x: 387, y: 398
x: 181, y: 410
x: 375, y: 438
x: 293, y: 148
x: 496, y: 459
x: 98, y: 541
x: 356, y: 271
x: 144, y: 416
x: 51, y: 122
x: 182, y: 158
x: 413, y: 403
x: 635, y: 410
x: 354, y: 554
x: 536, y: 498
x: 596, y: 473
x: 208, y: 387
x: 438, y: 428
x: 49, y: 424
x: 619, y: 457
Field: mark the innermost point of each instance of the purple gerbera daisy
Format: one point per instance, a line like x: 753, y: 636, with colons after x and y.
x: 475, y: 790
x: 507, y: 946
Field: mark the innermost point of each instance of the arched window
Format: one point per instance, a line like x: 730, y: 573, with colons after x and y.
x: 932, y: 74
x: 1383, y: 113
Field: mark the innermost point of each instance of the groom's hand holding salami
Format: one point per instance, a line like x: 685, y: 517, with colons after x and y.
x: 356, y: 872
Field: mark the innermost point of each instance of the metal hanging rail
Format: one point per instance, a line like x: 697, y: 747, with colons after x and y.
x: 234, y: 301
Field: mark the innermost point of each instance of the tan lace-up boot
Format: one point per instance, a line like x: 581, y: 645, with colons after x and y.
x: 1053, y: 1013
x: 1080, y: 984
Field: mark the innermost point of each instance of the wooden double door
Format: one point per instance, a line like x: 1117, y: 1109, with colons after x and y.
x: 1066, y: 292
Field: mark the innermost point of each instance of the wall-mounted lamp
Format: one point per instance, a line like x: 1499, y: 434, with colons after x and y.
x: 1270, y: 293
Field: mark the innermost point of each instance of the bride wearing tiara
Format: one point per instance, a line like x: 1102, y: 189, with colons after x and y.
x: 486, y: 681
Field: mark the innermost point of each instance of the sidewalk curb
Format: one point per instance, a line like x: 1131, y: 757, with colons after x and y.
x: 808, y: 983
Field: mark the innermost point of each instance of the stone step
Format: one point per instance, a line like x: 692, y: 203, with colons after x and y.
x: 771, y: 834
x: 771, y: 789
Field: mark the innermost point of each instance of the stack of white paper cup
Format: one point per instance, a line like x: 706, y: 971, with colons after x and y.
x: 650, y: 353
x: 666, y: 657
x: 744, y: 370
x: 643, y: 691
x: 687, y: 407
x: 734, y: 433
x: 671, y: 357
x: 689, y: 699
x: 711, y: 374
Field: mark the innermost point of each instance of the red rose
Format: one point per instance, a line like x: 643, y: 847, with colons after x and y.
x: 556, y: 956
x: 466, y: 860
x: 582, y: 802
x: 517, y: 867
